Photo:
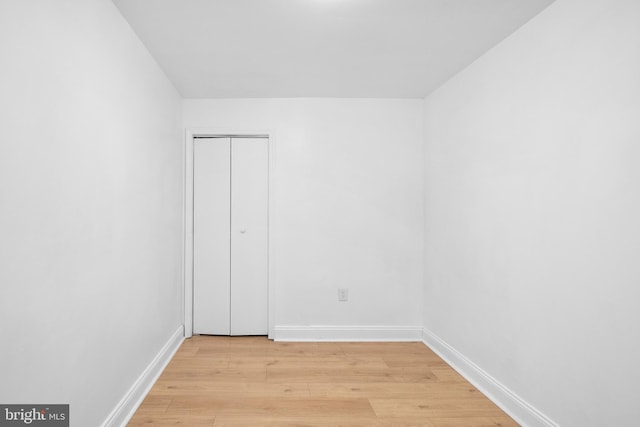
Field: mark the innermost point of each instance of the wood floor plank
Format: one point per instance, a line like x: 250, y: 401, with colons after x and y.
x: 434, y: 407
x: 410, y: 390
x: 169, y: 388
x: 270, y: 407
x: 504, y: 421
x: 252, y: 381
x: 244, y: 421
x: 167, y: 420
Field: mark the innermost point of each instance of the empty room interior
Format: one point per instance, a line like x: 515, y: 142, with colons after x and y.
x: 321, y: 212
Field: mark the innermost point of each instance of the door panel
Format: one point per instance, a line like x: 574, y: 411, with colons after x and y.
x: 249, y: 235
x: 211, y: 237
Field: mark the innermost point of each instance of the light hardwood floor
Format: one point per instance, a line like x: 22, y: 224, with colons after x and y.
x: 251, y: 381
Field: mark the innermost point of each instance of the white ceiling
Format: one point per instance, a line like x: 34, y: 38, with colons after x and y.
x: 320, y: 48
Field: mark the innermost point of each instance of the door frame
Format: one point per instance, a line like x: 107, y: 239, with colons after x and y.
x: 187, y: 219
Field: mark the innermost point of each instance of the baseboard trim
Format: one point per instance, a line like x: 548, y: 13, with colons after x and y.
x: 347, y: 333
x: 128, y: 405
x: 516, y: 407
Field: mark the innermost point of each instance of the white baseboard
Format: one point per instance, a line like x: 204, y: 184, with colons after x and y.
x: 347, y: 333
x: 516, y: 407
x: 128, y: 405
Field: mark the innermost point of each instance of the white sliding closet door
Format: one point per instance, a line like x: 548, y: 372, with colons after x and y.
x: 211, y: 238
x: 249, y: 237
x: 231, y: 186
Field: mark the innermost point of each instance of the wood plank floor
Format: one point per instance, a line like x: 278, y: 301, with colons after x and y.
x: 251, y: 381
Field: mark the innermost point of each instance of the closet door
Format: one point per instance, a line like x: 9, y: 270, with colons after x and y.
x: 211, y: 235
x: 249, y: 235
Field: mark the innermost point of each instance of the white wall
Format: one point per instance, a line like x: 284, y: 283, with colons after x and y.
x: 532, y: 231
x: 348, y: 204
x: 90, y: 218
